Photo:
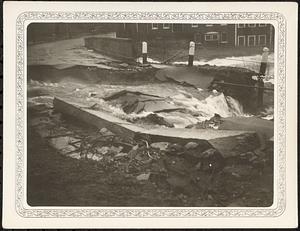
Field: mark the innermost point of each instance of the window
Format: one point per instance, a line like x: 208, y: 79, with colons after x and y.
x: 251, y: 25
x: 194, y: 25
x: 241, y: 40
x: 262, y: 25
x: 223, y: 37
x: 251, y: 40
x: 211, y: 37
x: 166, y: 26
x: 241, y: 25
x: 154, y: 26
x: 209, y: 25
x: 262, y: 40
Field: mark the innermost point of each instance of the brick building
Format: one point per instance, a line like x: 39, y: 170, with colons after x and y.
x: 232, y: 35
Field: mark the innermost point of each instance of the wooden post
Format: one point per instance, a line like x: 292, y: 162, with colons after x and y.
x: 191, y: 53
x: 262, y: 72
x: 144, y: 52
x: 264, y: 61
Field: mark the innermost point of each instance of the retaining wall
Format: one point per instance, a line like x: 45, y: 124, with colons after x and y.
x: 116, y: 47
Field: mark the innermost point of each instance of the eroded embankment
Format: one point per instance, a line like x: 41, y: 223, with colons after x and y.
x: 178, y: 172
x: 196, y: 85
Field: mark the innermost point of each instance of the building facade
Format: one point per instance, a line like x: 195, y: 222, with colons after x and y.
x: 251, y: 35
x: 224, y: 35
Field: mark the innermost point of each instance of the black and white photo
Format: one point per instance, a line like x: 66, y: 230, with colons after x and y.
x: 115, y: 115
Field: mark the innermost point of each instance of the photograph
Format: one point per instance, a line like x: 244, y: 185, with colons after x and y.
x: 141, y: 115
x: 150, y: 114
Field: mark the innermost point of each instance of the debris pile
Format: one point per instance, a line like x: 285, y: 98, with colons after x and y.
x: 197, y: 173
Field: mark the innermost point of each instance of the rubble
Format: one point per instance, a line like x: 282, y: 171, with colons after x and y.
x: 143, y: 176
x: 162, y: 146
x: 137, y: 102
x: 191, y: 145
x: 187, y: 168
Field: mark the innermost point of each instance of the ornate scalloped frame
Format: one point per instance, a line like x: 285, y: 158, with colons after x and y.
x: 34, y: 212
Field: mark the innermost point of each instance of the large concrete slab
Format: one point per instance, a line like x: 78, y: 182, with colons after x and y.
x: 258, y: 125
x: 185, y: 75
x: 227, y: 142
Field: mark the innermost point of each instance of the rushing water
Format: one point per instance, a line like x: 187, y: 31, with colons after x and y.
x: 200, y: 110
x: 195, y: 108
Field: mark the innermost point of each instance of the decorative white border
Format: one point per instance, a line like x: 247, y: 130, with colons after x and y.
x: 148, y: 212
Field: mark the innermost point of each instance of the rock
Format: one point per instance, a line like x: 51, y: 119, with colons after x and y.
x: 191, y: 145
x: 143, y: 176
x: 95, y: 157
x: 103, y: 150
x: 115, y: 150
x: 133, y: 152
x: 92, y: 94
x: 209, y: 152
x: 121, y: 154
x: 60, y: 143
x: 163, y: 146
x: 124, y: 65
x: 175, y: 147
x: 67, y: 149
x: 106, y: 132
x: 75, y: 155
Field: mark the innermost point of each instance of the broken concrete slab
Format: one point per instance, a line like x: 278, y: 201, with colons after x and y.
x: 225, y: 141
x: 137, y: 102
x: 185, y: 75
x: 259, y: 125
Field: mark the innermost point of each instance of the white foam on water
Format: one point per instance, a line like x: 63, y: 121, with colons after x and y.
x: 249, y: 62
x: 149, y: 60
x: 201, y: 110
x: 39, y: 100
x: 195, y: 110
x: 214, y: 103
